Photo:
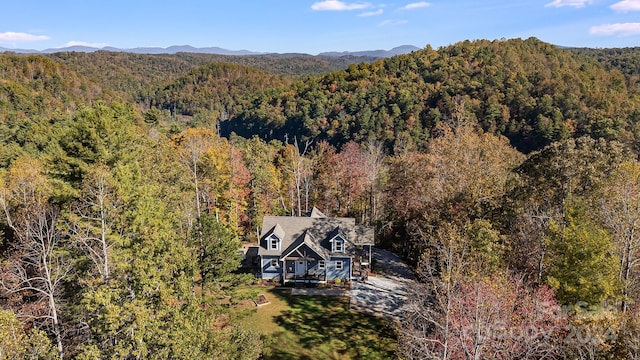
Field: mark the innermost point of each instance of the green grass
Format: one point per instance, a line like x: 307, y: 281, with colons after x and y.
x: 319, y: 327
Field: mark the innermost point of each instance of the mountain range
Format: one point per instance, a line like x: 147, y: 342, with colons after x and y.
x: 404, y: 49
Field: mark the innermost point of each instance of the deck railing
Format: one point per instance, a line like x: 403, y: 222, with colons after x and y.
x: 312, y: 277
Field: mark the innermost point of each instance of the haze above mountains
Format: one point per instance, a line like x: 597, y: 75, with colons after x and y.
x: 404, y: 49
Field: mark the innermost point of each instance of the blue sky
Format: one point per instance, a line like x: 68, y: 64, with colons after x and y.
x: 313, y: 26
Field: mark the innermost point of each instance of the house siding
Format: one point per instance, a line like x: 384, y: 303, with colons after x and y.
x: 312, y: 267
x: 331, y: 272
x: 290, y: 266
x: 268, y: 271
x: 344, y: 273
x: 315, y: 270
x: 310, y: 239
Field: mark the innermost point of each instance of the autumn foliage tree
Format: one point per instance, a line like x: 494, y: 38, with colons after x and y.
x: 93, y: 220
x: 122, y: 220
x: 463, y: 176
x: 621, y: 214
x: 18, y: 342
x: 495, y: 317
x: 571, y: 170
x: 38, y: 264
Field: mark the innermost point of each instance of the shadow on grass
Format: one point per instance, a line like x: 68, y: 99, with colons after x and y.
x: 323, y: 327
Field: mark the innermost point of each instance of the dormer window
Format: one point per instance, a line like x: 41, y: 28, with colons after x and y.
x: 273, y: 242
x: 338, y: 244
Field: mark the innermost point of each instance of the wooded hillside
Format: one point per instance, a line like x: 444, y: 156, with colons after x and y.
x: 219, y: 87
x: 532, y: 92
x: 505, y: 172
x: 140, y: 75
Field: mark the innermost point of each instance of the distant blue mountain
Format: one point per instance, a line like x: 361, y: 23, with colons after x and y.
x: 76, y: 48
x: 405, y: 49
x: 189, y: 49
x: 19, y: 51
x: 138, y: 50
x: 206, y: 50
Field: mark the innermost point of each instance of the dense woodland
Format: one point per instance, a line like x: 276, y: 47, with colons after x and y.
x: 505, y: 172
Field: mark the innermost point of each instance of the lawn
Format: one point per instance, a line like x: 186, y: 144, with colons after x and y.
x: 318, y: 327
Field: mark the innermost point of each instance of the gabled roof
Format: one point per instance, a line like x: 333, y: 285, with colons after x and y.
x: 336, y: 232
x: 310, y: 241
x: 296, y: 230
x: 315, y: 213
x: 363, y: 235
x: 277, y: 231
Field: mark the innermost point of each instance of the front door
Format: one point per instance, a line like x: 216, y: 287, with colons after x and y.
x: 301, y: 267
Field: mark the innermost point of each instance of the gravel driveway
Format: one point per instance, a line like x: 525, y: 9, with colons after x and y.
x: 383, y: 294
x: 385, y: 291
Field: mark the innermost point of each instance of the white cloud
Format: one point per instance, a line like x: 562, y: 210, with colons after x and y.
x: 16, y: 37
x: 616, y: 29
x: 571, y: 3
x: 372, y: 13
x: 335, y: 5
x: 82, y: 43
x: 416, y: 5
x: 393, y: 22
x: 626, y: 5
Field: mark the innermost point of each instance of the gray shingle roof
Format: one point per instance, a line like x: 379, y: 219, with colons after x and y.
x: 315, y: 213
x: 311, y: 242
x: 316, y: 232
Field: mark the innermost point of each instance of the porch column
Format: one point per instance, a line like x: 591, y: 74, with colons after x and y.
x: 306, y: 271
x: 326, y: 264
x: 351, y: 268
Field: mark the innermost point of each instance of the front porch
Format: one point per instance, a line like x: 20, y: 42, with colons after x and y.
x: 304, y: 270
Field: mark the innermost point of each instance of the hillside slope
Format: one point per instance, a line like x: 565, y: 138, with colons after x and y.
x: 34, y: 85
x: 532, y: 92
x: 222, y: 87
x: 140, y: 75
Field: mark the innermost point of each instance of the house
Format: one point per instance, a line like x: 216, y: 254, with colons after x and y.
x: 313, y: 248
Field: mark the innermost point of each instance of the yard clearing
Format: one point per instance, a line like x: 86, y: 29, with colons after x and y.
x: 325, y: 323
x: 319, y: 327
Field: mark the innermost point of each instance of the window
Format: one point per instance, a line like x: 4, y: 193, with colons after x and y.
x: 338, y: 244
x: 321, y: 265
x: 274, y: 242
x: 274, y: 263
x: 338, y: 265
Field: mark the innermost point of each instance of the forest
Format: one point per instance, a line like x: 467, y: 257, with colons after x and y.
x: 504, y: 172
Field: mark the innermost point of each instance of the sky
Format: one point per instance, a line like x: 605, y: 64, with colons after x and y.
x: 314, y: 26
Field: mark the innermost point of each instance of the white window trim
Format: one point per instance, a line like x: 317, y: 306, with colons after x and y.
x: 274, y: 262
x: 322, y: 265
x: 339, y: 265
x: 273, y: 239
x: 337, y: 240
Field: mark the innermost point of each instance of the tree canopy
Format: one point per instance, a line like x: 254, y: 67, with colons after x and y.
x: 505, y: 172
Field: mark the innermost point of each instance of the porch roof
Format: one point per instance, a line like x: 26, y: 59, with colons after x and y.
x: 308, y: 240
